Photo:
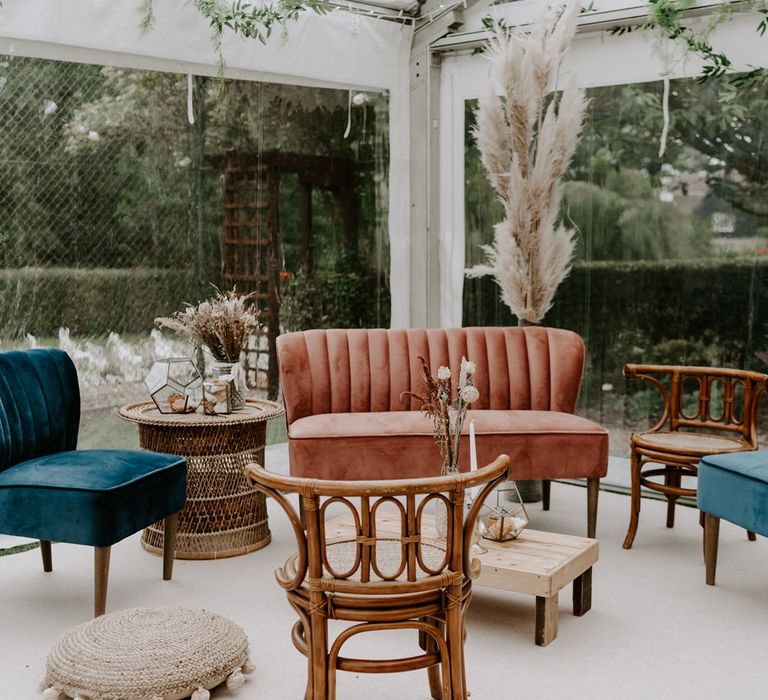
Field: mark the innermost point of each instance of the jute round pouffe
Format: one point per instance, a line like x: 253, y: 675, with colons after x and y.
x: 148, y: 654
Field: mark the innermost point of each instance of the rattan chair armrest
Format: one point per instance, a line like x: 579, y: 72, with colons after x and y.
x: 472, y: 567
x: 384, y: 487
x: 645, y: 373
x: 255, y: 472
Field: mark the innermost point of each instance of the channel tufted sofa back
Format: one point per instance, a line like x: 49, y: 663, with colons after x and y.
x: 361, y: 371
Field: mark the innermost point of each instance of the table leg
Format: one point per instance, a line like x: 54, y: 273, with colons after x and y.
x: 546, y: 619
x: 582, y: 593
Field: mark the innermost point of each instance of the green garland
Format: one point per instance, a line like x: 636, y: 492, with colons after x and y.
x: 247, y: 19
x: 667, y: 16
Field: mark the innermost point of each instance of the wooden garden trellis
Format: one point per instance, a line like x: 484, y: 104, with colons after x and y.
x: 251, y: 243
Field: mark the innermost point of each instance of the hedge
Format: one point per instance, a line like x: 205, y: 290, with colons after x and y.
x: 89, y: 301
x: 711, y: 311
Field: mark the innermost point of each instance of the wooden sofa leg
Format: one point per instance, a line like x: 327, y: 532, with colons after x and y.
x: 170, y: 527
x: 45, y: 551
x: 711, y: 534
x: 751, y: 536
x: 593, y: 489
x: 100, y: 579
x: 546, y: 486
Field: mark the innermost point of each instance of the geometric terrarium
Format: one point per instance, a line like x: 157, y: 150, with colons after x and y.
x: 175, y: 385
x: 503, y: 516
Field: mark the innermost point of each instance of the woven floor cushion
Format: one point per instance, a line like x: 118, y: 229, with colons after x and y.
x: 148, y: 654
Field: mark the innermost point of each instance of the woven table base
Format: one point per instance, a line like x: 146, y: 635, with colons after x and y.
x: 148, y: 654
x: 224, y: 515
x: 218, y: 545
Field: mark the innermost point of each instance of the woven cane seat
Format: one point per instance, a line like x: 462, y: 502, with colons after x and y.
x: 148, y: 654
x: 389, y: 557
x: 698, y: 444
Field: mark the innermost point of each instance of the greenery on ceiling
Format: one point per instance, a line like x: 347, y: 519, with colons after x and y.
x: 246, y: 19
x: 668, y: 17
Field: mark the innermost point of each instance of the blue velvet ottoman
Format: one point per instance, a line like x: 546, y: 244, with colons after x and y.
x: 732, y: 486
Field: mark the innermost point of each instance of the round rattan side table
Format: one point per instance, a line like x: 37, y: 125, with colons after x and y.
x: 224, y: 515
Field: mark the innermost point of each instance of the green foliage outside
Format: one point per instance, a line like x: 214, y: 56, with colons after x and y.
x: 626, y: 202
x: 100, y: 168
x: 655, y: 281
x: 90, y: 302
x: 342, y: 298
x: 709, y: 312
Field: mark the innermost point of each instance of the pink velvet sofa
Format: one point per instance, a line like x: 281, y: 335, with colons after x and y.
x: 346, y: 419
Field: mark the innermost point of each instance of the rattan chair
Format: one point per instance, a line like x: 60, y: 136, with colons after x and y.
x: 724, y: 420
x: 381, y: 581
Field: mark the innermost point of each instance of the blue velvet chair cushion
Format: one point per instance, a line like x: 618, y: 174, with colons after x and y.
x: 734, y: 487
x: 91, y: 497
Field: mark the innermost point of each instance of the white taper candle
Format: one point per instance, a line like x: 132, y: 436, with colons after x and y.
x: 472, y: 446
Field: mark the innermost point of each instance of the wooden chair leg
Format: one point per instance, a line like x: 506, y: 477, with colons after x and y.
x: 45, y: 551
x: 711, y: 535
x: 634, y: 518
x: 751, y: 536
x: 593, y: 491
x: 433, y: 672
x: 100, y: 579
x: 323, y: 676
x: 455, y: 637
x: 170, y: 528
x: 546, y: 486
x: 671, y: 479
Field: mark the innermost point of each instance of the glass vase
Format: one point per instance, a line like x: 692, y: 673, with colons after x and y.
x: 441, y: 512
x: 233, y: 372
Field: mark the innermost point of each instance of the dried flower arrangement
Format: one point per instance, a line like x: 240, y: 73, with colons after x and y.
x: 222, y: 324
x: 527, y: 137
x: 447, y: 414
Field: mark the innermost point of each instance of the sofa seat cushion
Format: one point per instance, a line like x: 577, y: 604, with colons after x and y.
x: 398, y: 444
x: 91, y: 497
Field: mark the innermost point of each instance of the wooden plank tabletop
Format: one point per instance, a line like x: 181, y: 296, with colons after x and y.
x: 539, y: 563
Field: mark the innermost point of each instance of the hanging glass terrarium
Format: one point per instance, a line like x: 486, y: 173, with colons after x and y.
x: 503, y: 516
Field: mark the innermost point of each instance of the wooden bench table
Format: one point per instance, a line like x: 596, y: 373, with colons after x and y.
x: 542, y: 564
x: 537, y: 563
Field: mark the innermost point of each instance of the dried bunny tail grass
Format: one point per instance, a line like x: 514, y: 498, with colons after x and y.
x: 526, y: 141
x: 222, y: 324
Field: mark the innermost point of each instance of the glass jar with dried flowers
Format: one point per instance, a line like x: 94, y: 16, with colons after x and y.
x: 222, y: 324
x: 448, y: 414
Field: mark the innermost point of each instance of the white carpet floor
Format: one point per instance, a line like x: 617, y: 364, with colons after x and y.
x: 655, y: 629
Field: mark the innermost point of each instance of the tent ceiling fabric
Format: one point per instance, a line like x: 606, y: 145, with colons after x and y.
x: 334, y: 50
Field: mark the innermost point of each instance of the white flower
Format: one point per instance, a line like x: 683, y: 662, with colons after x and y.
x: 469, y: 394
x: 443, y: 374
x: 607, y: 387
x: 467, y: 367
x: 93, y: 136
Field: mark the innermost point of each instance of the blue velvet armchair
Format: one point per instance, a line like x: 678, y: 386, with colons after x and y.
x: 52, y: 492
